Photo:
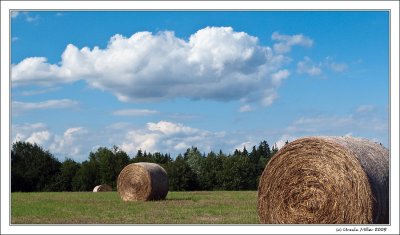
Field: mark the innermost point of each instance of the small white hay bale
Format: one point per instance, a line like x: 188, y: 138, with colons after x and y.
x: 102, y: 188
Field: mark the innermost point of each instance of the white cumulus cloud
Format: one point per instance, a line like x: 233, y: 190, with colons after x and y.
x: 21, y: 132
x: 71, y: 143
x: 39, y: 137
x: 165, y: 136
x: 31, y: 132
x: 215, y: 63
x: 169, y: 128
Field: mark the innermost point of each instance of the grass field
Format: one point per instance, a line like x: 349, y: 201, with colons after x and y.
x: 214, y: 207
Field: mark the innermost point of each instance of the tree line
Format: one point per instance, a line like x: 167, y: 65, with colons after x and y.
x: 34, y: 169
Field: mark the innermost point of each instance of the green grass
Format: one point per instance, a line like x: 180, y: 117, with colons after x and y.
x: 214, y: 207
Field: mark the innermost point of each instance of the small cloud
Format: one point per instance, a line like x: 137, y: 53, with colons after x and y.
x: 31, y: 19
x: 279, y: 76
x: 181, y: 146
x: 284, y: 138
x: 245, y: 108
x: 334, y: 66
x: 307, y: 66
x: 248, y: 145
x: 269, y: 97
x: 365, y: 121
x: 39, y: 137
x: 349, y: 134
x: 365, y: 109
x: 169, y: 128
x: 135, y: 112
x: 27, y: 16
x: 59, y: 14
x: 14, y: 39
x: 32, y: 133
x: 19, y: 107
x: 74, y: 130
x: 285, y: 42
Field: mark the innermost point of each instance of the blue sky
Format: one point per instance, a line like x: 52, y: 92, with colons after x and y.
x: 165, y: 81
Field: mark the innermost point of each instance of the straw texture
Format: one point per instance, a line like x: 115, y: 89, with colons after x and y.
x: 102, y: 188
x: 326, y: 180
x: 142, y: 181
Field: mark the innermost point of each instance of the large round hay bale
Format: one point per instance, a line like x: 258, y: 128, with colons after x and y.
x: 142, y: 181
x: 102, y: 188
x: 326, y: 180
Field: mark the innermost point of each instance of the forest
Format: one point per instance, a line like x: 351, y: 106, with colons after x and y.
x: 34, y: 169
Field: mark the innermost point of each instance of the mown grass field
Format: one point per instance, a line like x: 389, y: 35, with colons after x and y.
x: 214, y: 207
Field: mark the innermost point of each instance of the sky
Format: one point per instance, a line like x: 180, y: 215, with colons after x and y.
x: 163, y: 81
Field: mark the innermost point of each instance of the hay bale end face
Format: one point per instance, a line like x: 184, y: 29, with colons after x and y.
x: 326, y: 180
x: 142, y: 181
x: 102, y: 188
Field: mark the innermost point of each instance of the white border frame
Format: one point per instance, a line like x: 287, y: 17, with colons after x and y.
x: 393, y: 6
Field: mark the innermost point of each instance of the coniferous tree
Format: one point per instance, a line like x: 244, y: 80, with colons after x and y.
x: 180, y: 176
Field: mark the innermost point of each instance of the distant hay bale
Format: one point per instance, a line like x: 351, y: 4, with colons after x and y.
x: 102, y: 188
x: 142, y: 181
x: 326, y: 180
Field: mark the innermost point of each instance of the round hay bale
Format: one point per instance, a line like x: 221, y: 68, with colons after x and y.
x: 142, y: 181
x: 102, y: 188
x: 326, y: 180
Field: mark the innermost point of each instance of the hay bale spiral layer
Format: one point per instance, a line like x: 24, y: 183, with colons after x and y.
x: 102, y: 188
x: 326, y: 180
x: 142, y: 181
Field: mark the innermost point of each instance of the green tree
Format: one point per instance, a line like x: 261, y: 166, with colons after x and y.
x: 87, y: 177
x: 160, y: 158
x: 108, y: 163
x: 210, y: 177
x: 32, y: 168
x: 142, y: 157
x: 264, y: 149
x: 180, y: 175
x: 274, y: 150
x: 68, y: 170
x: 121, y: 160
x: 238, y: 172
x: 194, y: 159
